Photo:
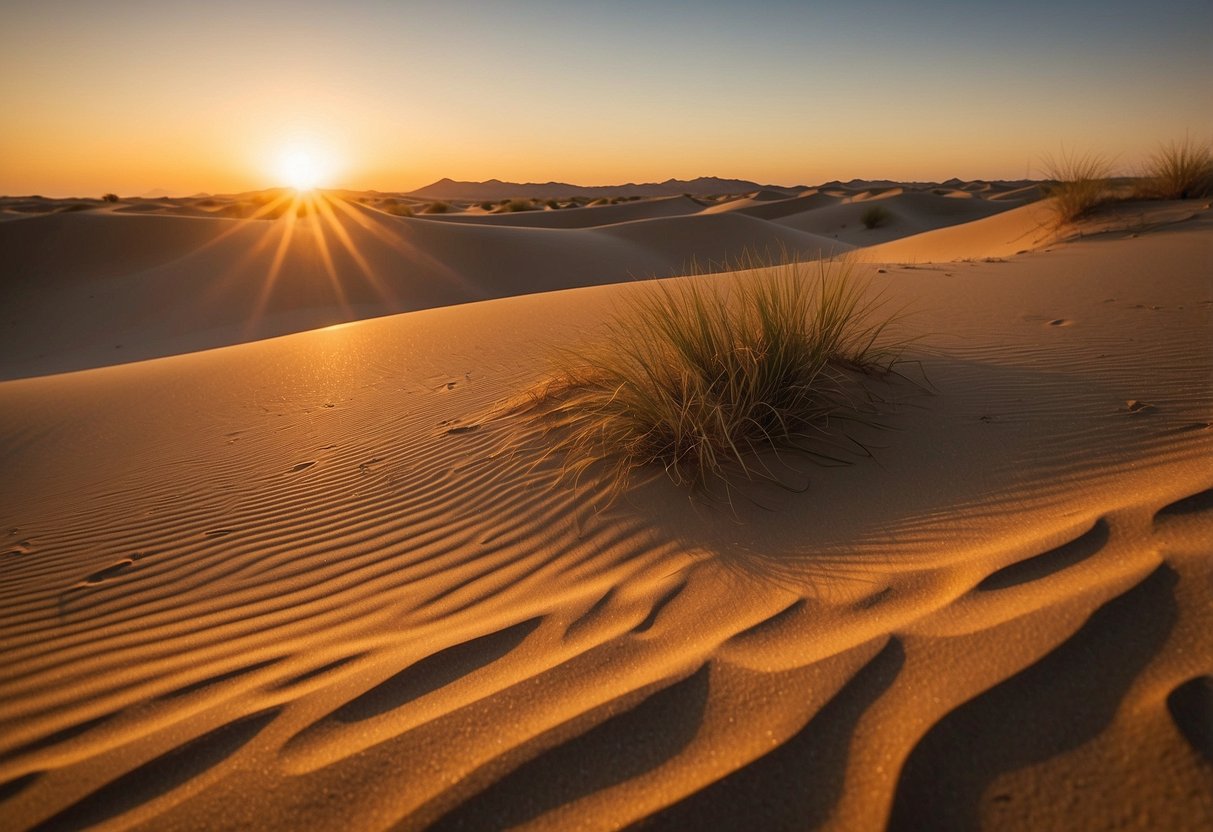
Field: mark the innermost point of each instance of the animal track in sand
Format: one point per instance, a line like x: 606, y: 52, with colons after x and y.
x: 302, y: 466
x: 1061, y: 322
x: 1039, y: 566
x: 1137, y: 406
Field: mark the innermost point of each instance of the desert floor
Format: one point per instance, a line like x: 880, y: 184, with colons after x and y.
x: 270, y: 559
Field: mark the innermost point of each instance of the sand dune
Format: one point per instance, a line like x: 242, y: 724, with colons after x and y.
x: 146, y: 279
x: 587, y: 217
x: 1016, y: 231
x: 293, y: 582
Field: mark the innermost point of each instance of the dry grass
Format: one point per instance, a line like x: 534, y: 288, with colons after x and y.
x: 515, y: 205
x: 1179, y: 170
x: 875, y: 216
x: 1079, y: 183
x: 700, y: 376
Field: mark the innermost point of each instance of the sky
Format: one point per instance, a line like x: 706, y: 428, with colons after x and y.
x: 132, y: 96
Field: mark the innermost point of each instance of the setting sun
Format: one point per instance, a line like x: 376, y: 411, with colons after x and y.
x: 302, y: 168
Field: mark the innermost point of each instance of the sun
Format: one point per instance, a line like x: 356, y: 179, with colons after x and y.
x: 302, y: 168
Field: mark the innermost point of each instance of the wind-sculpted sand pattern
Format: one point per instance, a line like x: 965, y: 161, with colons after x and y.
x: 311, y: 591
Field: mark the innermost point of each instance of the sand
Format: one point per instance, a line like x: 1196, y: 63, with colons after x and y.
x: 292, y: 582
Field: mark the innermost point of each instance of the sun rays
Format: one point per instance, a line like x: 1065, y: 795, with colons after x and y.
x: 302, y: 227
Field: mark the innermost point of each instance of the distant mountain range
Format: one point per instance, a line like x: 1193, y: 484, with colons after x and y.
x: 496, y: 189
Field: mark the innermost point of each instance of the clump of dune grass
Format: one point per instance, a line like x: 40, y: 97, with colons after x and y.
x: 1179, y: 170
x: 437, y: 208
x: 515, y: 205
x: 109, y: 197
x: 699, y: 376
x: 875, y: 216
x: 399, y: 209
x: 1078, y: 183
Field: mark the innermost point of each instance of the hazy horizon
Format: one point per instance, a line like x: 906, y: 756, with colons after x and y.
x: 136, y: 96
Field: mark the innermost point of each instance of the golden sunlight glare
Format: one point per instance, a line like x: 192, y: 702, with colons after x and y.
x: 302, y: 168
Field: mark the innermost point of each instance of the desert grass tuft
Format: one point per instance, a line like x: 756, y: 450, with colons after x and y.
x: 700, y: 376
x: 515, y: 205
x: 109, y: 197
x: 1079, y: 183
x: 875, y: 216
x: 1179, y: 170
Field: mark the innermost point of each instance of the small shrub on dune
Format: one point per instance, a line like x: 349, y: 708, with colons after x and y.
x: 437, y: 208
x: 1179, y: 170
x: 875, y: 216
x: 109, y: 197
x: 400, y: 209
x: 1078, y: 184
x: 517, y: 205
x: 699, y: 376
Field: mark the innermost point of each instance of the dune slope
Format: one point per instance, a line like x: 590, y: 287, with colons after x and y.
x: 295, y: 584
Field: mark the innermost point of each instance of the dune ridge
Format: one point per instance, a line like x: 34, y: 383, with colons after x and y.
x: 181, y: 275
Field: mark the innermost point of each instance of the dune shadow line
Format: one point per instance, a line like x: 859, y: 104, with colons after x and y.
x: 796, y: 785
x: 1063, y: 700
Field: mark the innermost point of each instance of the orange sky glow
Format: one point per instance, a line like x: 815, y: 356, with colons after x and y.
x: 134, y: 97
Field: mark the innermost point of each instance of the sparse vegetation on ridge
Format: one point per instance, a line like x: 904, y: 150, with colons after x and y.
x: 1179, y: 170
x: 1079, y: 182
x: 109, y: 197
x: 515, y: 205
x: 698, y: 376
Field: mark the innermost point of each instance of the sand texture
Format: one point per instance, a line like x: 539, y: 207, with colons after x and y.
x: 293, y: 582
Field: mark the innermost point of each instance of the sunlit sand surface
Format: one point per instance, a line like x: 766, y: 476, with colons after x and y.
x: 264, y: 572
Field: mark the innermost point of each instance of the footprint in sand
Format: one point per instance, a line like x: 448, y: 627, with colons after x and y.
x: 112, y: 571
x: 1136, y: 406
x: 21, y: 547
x: 302, y: 466
x: 1061, y: 322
